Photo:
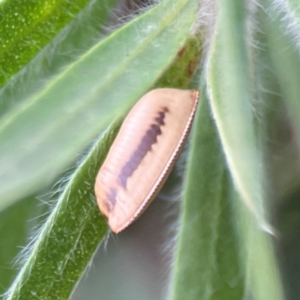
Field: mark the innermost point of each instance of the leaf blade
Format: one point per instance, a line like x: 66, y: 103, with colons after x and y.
x: 24, y: 29
x: 229, y: 90
x: 70, y: 236
x: 206, y: 257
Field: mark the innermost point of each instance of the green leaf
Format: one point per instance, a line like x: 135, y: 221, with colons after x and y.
x: 206, y: 257
x: 76, y: 38
x: 26, y: 26
x: 230, y: 96
x: 16, y: 224
x: 220, y: 253
x: 279, y: 147
x: 263, y: 281
x: 70, y: 236
x: 58, y: 121
x: 285, y: 58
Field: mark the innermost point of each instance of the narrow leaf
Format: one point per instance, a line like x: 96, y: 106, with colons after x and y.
x: 70, y: 236
x: 229, y: 92
x: 263, y: 280
x: 16, y: 226
x: 285, y: 58
x: 206, y: 257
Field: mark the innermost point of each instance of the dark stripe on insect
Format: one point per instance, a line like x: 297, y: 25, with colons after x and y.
x: 143, y: 148
x: 112, y: 199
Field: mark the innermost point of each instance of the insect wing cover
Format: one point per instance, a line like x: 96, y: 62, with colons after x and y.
x: 143, y: 154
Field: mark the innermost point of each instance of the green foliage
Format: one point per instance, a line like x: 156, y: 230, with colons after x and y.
x: 26, y: 26
x: 69, y: 88
x: 69, y: 237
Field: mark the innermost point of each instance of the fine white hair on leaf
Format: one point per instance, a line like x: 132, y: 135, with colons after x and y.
x: 205, y: 23
x: 54, y: 57
x: 47, y: 202
x: 59, y: 192
x: 253, y: 46
x: 290, y: 17
x: 249, y: 47
x: 173, y: 198
x: 126, y: 11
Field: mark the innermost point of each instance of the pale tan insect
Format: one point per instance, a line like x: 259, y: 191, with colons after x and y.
x: 143, y: 154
